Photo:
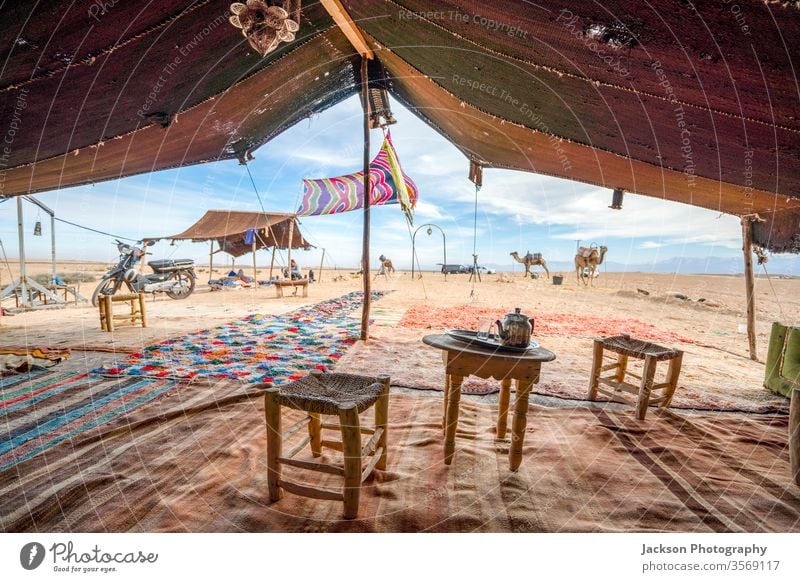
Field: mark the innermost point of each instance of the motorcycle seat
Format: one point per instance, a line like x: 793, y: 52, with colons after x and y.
x: 166, y: 265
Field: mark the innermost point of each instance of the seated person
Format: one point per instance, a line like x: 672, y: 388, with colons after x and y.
x: 311, y: 276
x: 295, y: 270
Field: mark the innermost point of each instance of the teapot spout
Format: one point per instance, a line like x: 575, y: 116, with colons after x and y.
x: 500, y: 332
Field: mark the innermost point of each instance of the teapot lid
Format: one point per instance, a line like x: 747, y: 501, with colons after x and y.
x: 517, y: 314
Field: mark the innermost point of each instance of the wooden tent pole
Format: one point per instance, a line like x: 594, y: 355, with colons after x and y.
x: 367, y: 197
x: 211, y: 259
x: 255, y: 271
x: 272, y: 262
x: 322, y: 260
x: 747, y: 249
x: 289, y: 255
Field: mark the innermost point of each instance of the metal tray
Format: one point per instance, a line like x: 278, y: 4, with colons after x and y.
x: 471, y: 337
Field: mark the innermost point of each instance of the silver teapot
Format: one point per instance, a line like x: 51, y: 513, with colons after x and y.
x: 515, y: 330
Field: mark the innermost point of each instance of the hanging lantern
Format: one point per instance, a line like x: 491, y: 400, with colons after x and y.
x: 37, y: 228
x: 616, y: 199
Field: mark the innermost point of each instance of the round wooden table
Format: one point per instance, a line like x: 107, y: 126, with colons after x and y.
x: 462, y: 359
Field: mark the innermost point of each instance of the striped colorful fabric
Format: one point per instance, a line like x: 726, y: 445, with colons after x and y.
x: 38, y: 412
x: 345, y: 193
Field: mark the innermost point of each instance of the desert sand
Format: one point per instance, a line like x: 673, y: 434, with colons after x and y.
x: 716, y: 364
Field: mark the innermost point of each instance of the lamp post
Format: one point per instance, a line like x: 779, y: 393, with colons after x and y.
x: 430, y: 226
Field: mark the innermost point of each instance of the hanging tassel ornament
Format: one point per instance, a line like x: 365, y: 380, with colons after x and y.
x: 265, y: 26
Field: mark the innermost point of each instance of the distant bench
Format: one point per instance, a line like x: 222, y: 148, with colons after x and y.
x: 279, y: 285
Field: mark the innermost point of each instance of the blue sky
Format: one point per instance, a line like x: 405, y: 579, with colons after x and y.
x: 516, y: 210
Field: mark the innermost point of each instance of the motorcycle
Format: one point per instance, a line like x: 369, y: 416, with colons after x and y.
x: 175, y: 277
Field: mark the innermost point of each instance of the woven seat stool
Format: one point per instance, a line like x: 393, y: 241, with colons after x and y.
x: 621, y: 391
x: 342, y: 395
x: 137, y: 314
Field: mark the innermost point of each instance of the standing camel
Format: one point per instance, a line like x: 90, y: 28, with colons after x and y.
x: 387, y: 268
x: 530, y: 260
x: 588, y: 258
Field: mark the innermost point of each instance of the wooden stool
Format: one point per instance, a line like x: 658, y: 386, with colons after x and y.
x: 342, y: 395
x: 106, y: 306
x: 651, y: 353
x: 279, y: 285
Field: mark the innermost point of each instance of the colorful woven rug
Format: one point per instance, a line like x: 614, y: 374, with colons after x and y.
x: 258, y: 348
x: 199, y: 465
x: 558, y: 324
x: 41, y: 410
x: 705, y: 383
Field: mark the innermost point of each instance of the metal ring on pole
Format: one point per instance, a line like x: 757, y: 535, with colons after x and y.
x: 430, y: 232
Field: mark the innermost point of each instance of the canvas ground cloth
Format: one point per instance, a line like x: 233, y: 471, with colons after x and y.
x: 195, y: 461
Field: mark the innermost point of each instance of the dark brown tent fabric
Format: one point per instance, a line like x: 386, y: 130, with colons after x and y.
x: 229, y: 229
x: 695, y: 102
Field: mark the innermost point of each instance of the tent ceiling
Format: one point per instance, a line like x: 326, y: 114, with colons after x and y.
x: 704, y: 108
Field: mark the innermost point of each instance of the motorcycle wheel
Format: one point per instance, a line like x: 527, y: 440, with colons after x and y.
x: 187, y: 285
x: 106, y: 287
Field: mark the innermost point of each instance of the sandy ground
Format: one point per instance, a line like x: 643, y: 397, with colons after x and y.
x: 715, y: 322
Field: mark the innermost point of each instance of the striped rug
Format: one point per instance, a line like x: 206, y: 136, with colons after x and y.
x: 39, y: 411
x: 196, y: 461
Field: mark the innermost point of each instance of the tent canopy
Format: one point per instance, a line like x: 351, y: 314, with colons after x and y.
x: 690, y: 102
x: 230, y: 229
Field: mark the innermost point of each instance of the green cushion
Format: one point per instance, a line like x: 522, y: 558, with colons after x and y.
x: 782, y: 374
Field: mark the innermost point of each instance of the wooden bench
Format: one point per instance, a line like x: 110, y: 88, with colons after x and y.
x: 137, y: 310
x: 279, y: 285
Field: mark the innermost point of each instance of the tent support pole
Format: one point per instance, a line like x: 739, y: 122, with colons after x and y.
x: 53, y: 249
x: 321, y: 261
x: 272, y: 263
x: 211, y: 260
x: 289, y: 252
x: 255, y: 272
x: 367, y: 200
x: 747, y: 249
x: 23, y: 274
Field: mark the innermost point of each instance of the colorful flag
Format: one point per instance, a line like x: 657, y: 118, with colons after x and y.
x: 388, y: 185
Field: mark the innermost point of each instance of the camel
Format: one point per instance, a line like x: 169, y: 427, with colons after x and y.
x: 589, y: 258
x: 387, y: 268
x: 529, y: 260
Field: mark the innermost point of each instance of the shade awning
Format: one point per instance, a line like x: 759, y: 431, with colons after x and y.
x: 672, y: 103
x: 236, y: 231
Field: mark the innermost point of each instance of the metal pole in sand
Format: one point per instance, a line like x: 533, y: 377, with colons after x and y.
x: 23, y: 276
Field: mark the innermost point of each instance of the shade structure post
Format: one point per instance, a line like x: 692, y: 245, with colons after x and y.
x: 749, y: 281
x: 53, y: 249
x: 23, y: 275
x: 272, y: 263
x: 321, y: 261
x: 289, y: 256
x: 255, y: 272
x: 211, y: 259
x: 367, y: 200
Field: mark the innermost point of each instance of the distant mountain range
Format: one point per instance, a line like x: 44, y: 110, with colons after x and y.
x: 777, y: 265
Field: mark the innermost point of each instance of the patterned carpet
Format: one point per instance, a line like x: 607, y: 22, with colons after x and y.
x: 258, y: 348
x: 196, y: 462
x: 41, y: 410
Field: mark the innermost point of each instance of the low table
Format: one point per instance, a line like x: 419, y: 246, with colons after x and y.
x: 462, y: 360
x: 618, y: 388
